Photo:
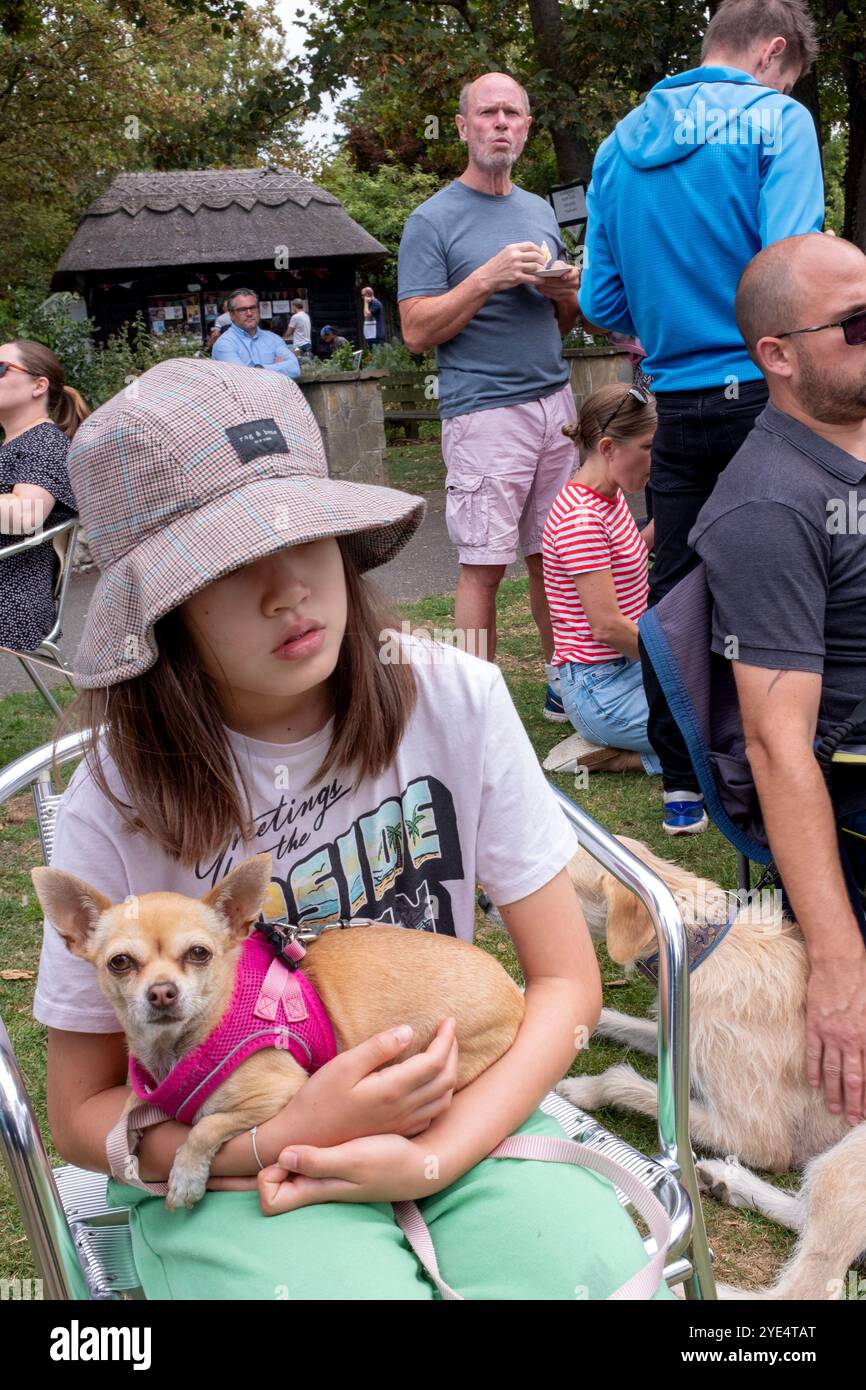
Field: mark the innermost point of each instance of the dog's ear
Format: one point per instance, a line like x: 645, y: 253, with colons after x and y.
x: 240, y: 895
x: 72, y: 907
x: 629, y: 928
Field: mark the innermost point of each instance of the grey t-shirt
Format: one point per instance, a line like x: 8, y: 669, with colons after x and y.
x: 784, y: 540
x: 511, y: 351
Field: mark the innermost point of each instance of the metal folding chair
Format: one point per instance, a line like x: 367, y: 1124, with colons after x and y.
x: 83, y: 1248
x: 62, y: 537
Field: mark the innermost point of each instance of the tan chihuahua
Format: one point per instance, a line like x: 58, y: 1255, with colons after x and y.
x: 167, y: 965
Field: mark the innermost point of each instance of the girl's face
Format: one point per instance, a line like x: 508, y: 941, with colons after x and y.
x: 629, y: 463
x: 269, y: 635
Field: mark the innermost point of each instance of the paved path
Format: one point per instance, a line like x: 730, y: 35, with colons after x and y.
x: 428, y: 565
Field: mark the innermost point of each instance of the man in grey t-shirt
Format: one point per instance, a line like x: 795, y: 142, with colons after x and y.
x: 469, y: 285
x: 784, y: 541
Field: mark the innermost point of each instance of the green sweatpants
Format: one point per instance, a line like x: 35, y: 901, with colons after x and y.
x: 509, y: 1229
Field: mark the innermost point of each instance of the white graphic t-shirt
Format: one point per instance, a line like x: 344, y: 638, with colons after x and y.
x: 464, y: 799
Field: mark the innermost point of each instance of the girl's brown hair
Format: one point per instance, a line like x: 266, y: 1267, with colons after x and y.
x: 65, y: 406
x: 632, y: 419
x: 164, y: 729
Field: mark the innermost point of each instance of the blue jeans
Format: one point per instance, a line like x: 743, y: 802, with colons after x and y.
x: 605, y: 702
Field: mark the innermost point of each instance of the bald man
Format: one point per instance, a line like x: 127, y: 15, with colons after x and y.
x: 468, y: 286
x: 784, y: 541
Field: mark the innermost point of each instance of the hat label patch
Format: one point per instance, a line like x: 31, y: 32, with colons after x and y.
x: 257, y: 437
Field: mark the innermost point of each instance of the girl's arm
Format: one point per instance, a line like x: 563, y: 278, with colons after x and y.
x: 597, y: 595
x: 24, y: 509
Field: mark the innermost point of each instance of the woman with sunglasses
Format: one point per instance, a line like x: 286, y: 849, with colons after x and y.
x: 39, y: 414
x: 596, y: 566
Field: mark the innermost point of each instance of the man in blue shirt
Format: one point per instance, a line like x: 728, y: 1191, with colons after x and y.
x: 250, y: 345
x: 715, y: 164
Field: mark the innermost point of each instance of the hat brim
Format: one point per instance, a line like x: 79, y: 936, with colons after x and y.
x: 192, y: 551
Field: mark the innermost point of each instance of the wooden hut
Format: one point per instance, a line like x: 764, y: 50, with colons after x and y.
x: 172, y: 245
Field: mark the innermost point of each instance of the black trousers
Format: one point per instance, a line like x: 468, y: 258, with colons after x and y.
x: 698, y: 434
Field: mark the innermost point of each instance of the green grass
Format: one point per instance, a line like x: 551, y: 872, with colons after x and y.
x: 417, y: 466
x: 749, y: 1250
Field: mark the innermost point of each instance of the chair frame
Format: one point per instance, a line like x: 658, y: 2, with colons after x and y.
x: 82, y: 1247
x: 63, y: 536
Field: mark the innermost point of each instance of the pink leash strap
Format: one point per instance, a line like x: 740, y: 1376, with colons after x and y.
x: 123, y: 1164
x: 641, y: 1285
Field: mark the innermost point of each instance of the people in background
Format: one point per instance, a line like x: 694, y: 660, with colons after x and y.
x: 248, y: 344
x: 374, y: 318
x: 279, y: 324
x: 222, y: 321
x: 759, y: 183
x: 39, y: 414
x: 299, y: 332
x: 596, y: 580
x: 330, y: 340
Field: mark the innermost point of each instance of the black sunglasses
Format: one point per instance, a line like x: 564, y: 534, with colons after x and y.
x: 854, y: 328
x: 640, y: 395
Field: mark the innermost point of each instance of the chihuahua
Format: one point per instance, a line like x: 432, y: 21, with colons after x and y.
x: 169, y: 966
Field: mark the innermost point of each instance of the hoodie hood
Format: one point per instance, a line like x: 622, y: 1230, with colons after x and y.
x: 692, y: 108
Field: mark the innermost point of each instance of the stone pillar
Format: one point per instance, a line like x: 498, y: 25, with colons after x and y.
x: 592, y: 367
x: 349, y: 412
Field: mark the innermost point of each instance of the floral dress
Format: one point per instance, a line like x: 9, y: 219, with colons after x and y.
x: 27, y: 608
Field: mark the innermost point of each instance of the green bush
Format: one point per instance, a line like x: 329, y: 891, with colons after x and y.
x: 97, y: 370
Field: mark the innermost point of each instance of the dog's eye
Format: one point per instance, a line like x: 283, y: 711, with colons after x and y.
x: 119, y: 965
x: 198, y: 955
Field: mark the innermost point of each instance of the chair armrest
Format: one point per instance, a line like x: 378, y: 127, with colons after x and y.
x: 38, y: 538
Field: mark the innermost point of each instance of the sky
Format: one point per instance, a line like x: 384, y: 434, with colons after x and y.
x: 323, y: 127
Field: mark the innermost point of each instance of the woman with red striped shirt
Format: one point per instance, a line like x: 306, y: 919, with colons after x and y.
x: 596, y: 579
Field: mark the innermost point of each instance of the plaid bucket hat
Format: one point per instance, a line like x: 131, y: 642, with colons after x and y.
x: 194, y: 470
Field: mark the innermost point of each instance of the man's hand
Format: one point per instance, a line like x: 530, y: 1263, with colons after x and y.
x: 514, y: 265
x: 836, y: 1033
x: 560, y: 286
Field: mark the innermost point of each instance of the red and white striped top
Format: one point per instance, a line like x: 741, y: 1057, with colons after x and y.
x: 586, y: 531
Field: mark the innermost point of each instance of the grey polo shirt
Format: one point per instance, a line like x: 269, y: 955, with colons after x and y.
x: 784, y: 540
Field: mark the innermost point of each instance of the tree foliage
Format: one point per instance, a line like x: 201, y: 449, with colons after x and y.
x: 94, y: 88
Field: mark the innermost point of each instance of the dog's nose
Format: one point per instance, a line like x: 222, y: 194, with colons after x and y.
x: 162, y: 994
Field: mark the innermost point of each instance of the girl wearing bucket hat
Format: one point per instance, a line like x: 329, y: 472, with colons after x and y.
x: 253, y: 693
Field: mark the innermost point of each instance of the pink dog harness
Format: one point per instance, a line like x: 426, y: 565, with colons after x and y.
x: 272, y: 1006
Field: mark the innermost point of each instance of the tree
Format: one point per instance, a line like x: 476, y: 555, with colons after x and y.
x: 96, y: 88
x: 584, y: 64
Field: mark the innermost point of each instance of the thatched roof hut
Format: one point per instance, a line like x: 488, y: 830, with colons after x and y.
x: 181, y: 240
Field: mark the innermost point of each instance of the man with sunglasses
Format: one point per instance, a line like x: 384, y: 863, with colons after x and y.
x: 784, y: 541
x: 714, y: 164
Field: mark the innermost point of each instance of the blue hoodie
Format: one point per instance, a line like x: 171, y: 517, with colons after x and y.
x: 709, y: 169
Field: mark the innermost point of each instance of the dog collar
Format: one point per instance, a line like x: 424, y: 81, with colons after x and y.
x: 701, y: 942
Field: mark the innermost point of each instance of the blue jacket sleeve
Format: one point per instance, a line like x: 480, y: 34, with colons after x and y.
x: 602, y: 297
x: 791, y: 201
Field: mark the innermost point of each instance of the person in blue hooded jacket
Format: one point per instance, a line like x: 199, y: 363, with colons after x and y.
x: 717, y: 163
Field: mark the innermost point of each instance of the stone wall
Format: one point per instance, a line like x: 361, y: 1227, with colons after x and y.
x: 592, y: 367
x: 349, y: 412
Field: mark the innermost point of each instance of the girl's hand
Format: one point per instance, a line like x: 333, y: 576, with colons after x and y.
x: 380, y: 1168
x: 350, y: 1098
